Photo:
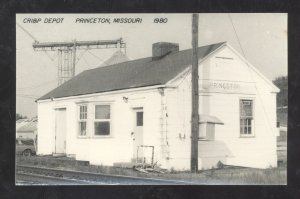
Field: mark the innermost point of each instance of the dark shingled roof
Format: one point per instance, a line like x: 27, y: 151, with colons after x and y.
x: 131, y: 74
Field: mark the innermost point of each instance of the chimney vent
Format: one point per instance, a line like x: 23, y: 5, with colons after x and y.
x: 161, y: 49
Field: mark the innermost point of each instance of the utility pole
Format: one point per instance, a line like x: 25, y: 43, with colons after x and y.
x: 195, y: 96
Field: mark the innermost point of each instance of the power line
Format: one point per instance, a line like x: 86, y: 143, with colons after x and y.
x: 37, y: 86
x: 102, y: 61
x: 27, y: 96
x: 248, y: 67
x: 22, y: 94
x: 86, y: 62
x: 81, y: 55
x: 23, y: 75
x: 96, y: 56
x: 236, y: 35
x: 35, y: 40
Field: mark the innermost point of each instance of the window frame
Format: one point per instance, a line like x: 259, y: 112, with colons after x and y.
x: 102, y: 120
x: 242, y: 118
x: 82, y: 120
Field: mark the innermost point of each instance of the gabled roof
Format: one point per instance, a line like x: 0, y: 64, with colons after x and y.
x: 22, y: 122
x: 116, y: 58
x: 29, y: 127
x: 131, y: 74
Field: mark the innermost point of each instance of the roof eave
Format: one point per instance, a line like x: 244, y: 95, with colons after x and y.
x: 106, y: 92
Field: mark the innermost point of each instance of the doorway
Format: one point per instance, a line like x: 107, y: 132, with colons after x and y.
x: 138, y: 134
x: 60, y: 131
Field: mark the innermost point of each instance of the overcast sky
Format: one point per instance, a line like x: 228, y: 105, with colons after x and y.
x: 263, y: 38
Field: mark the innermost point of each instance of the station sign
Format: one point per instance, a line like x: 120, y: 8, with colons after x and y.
x: 219, y: 86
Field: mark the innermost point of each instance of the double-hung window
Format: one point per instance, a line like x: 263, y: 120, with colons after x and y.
x: 102, y: 120
x: 82, y: 120
x: 246, y: 117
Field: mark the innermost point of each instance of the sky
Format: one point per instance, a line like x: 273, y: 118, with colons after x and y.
x: 260, y: 37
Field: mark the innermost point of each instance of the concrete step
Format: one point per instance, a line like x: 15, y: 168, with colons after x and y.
x: 59, y: 155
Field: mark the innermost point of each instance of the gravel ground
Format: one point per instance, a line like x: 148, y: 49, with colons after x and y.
x: 229, y: 175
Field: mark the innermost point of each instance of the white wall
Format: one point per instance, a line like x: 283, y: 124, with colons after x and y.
x: 258, y: 151
x: 179, y: 128
x: 46, y: 126
x: 102, y: 150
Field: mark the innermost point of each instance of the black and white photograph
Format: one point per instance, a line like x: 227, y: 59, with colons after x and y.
x: 151, y: 99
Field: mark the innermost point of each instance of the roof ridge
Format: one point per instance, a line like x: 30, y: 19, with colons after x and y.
x: 151, y: 56
x: 202, y: 46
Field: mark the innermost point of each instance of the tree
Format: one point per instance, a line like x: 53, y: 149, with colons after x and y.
x: 282, y: 97
x: 19, y: 116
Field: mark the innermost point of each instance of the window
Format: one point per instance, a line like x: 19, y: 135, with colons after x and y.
x: 82, y: 120
x: 102, y: 120
x: 139, y: 118
x: 246, y: 117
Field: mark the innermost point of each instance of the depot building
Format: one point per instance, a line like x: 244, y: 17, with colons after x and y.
x: 140, y: 111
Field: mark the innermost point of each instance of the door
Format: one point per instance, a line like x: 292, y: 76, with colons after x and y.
x: 138, y: 135
x: 60, y: 130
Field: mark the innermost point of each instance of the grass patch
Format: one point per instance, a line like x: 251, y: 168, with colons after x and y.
x: 272, y: 176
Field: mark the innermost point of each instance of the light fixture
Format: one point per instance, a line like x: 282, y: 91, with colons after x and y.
x: 125, y: 99
x: 161, y: 91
